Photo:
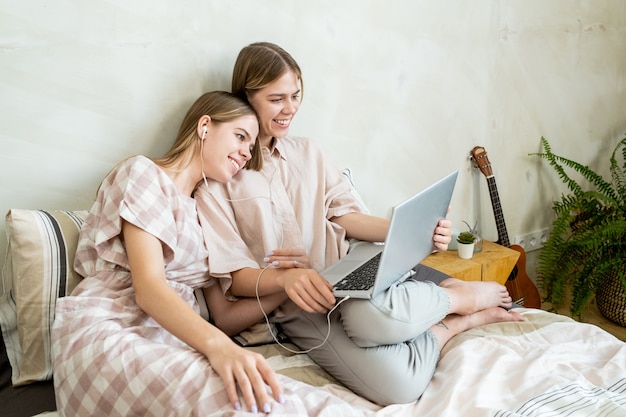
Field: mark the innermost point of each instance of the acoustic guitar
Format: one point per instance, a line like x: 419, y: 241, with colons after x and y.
x: 520, y: 286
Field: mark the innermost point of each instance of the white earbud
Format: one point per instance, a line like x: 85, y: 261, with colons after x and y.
x: 204, y: 128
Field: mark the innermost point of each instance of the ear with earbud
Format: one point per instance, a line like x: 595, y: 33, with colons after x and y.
x: 204, y: 129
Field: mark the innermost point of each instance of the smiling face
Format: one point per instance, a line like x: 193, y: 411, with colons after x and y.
x: 276, y: 105
x: 228, y: 145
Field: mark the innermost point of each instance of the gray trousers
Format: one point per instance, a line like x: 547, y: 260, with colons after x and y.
x: 382, y: 349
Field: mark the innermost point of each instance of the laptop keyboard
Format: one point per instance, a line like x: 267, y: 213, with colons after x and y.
x: 361, y: 278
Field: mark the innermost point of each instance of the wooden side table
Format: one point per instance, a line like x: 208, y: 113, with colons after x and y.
x: 494, y: 263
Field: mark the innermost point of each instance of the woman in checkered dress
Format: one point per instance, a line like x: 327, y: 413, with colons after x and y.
x: 129, y: 340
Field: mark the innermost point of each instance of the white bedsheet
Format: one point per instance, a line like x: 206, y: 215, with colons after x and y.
x: 547, y: 366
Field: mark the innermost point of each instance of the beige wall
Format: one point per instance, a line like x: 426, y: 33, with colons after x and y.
x: 398, y: 91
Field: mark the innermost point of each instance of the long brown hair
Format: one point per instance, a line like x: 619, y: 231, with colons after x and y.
x: 222, y: 107
x: 258, y: 65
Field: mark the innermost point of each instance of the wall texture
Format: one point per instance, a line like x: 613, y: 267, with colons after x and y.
x: 397, y: 91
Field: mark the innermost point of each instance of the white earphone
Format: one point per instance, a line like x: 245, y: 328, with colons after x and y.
x: 204, y: 128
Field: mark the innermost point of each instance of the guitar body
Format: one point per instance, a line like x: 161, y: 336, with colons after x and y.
x: 521, y: 288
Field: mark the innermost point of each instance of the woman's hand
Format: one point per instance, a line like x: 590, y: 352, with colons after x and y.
x: 308, y: 289
x: 247, y: 370
x: 443, y: 234
x: 235, y: 365
x: 303, y: 285
x: 288, y: 258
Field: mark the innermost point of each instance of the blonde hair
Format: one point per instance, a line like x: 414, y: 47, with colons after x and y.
x: 258, y: 65
x: 222, y: 107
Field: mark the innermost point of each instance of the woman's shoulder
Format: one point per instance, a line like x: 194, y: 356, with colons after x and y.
x: 302, y: 145
x: 132, y: 166
x: 299, y: 141
x: 136, y: 175
x: 309, y: 150
x: 137, y: 161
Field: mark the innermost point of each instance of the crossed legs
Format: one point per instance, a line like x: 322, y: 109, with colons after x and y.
x: 413, y: 307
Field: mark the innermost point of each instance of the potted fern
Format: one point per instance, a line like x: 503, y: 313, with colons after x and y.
x: 586, y: 251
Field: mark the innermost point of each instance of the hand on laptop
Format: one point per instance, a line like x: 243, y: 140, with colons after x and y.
x: 304, y: 286
x: 308, y: 289
x: 443, y: 234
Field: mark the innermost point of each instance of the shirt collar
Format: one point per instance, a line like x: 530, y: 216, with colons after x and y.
x: 277, y: 148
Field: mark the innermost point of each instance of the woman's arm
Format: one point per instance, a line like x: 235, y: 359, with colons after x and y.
x: 374, y: 229
x: 233, y: 317
x: 363, y: 226
x: 305, y: 287
x: 235, y: 365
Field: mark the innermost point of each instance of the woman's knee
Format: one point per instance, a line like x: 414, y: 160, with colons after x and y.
x: 399, y: 387
x: 395, y: 316
x: 369, y: 326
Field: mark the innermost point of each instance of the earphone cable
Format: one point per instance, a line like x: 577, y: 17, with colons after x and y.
x: 269, y: 326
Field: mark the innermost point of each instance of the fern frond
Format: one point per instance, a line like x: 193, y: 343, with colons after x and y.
x: 618, y: 174
x: 595, y: 272
x: 554, y: 162
x: 600, y: 247
x: 588, y: 238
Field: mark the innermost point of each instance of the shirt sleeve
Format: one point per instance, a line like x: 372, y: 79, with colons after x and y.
x: 134, y: 192
x: 340, y: 199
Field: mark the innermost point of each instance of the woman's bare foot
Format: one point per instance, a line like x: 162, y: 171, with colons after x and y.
x: 492, y: 315
x: 467, y: 297
x: 455, y: 324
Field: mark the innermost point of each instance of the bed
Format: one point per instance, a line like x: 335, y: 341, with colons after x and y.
x: 549, y: 365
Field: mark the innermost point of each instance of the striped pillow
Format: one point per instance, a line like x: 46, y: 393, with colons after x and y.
x: 39, y: 269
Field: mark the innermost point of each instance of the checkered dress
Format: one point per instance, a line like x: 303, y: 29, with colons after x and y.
x: 110, y: 358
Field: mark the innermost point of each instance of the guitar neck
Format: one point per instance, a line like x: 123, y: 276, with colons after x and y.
x: 503, y: 236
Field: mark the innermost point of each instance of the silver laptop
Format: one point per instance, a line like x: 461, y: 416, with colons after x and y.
x: 409, y: 240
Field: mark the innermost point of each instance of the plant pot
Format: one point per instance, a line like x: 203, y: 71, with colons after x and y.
x: 611, y: 300
x: 465, y: 250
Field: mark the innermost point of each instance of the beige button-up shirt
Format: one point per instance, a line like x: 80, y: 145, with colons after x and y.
x: 288, y: 204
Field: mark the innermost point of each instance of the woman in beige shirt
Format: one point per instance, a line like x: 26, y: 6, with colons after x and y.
x: 293, y: 218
